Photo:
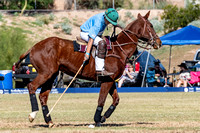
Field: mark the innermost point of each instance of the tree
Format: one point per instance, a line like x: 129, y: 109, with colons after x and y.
x: 179, y: 17
x: 13, y: 43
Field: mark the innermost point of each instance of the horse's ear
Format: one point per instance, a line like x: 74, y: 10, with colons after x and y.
x: 147, y: 15
x: 139, y: 15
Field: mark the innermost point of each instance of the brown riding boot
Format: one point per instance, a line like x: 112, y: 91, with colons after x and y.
x: 104, y: 73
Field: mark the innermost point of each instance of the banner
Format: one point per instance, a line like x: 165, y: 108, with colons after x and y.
x: 96, y: 90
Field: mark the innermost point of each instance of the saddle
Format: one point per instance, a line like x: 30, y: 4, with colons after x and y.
x: 80, y: 45
x: 81, y: 41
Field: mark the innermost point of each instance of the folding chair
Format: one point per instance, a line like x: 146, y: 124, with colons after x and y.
x: 195, y: 78
x: 150, y: 78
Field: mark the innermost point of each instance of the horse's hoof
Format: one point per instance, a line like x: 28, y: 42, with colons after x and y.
x: 98, y: 124
x: 103, y: 119
x: 30, y: 118
x: 51, y: 125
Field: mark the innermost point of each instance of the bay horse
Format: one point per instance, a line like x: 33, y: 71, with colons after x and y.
x: 54, y: 54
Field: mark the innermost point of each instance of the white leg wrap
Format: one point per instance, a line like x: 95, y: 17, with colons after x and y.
x: 84, y: 36
x: 99, y: 64
x: 33, y: 114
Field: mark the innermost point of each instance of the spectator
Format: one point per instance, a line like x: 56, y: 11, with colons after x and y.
x: 160, y: 74
x: 129, y: 75
x: 184, y: 75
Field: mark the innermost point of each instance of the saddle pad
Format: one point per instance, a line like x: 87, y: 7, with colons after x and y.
x: 78, y: 47
x: 82, y: 48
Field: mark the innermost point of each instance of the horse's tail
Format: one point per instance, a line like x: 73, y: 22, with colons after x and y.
x: 23, y: 56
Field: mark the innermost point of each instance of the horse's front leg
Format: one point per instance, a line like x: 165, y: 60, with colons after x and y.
x: 105, y: 88
x: 46, y: 89
x: 43, y: 100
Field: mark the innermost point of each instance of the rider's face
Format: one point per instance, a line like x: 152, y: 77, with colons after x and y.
x: 106, y: 21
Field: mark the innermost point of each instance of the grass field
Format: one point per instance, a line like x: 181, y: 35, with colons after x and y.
x: 137, y: 112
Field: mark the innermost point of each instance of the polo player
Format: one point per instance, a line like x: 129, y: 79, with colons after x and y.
x: 91, y: 32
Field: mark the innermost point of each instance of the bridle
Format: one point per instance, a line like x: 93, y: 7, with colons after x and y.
x: 151, y: 41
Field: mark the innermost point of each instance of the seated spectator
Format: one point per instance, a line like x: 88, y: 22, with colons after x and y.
x: 128, y: 76
x: 160, y: 75
x: 184, y: 75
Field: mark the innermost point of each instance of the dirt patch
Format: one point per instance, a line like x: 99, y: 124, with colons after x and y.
x: 119, y: 127
x: 107, y: 124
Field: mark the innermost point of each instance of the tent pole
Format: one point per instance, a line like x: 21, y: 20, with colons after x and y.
x: 170, y: 57
x: 146, y: 68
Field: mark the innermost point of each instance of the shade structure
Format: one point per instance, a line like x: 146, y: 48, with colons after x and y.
x: 189, y: 35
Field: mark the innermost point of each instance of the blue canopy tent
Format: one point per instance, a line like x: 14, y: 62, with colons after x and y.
x: 189, y: 35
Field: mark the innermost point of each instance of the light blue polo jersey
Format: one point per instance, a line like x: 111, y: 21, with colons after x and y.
x: 94, y: 25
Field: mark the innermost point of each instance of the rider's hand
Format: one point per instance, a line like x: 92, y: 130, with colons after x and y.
x: 86, y: 57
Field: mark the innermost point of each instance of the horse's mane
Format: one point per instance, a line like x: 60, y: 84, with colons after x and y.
x: 130, y: 24
x: 126, y: 28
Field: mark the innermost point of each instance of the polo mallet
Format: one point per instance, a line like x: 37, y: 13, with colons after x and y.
x: 65, y: 89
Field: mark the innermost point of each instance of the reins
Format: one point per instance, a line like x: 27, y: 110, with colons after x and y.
x: 119, y: 45
x: 125, y: 32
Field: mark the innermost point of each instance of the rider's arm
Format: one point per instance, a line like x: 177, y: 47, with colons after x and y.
x: 89, y: 46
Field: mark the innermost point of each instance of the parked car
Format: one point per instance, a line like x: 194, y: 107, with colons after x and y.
x: 24, y: 74
x: 194, y: 64
x: 197, y: 55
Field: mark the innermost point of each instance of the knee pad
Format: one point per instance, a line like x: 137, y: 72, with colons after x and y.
x: 101, y: 49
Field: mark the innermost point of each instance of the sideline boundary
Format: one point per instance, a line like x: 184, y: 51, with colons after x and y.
x: 96, y: 90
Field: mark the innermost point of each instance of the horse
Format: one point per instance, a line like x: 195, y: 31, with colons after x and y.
x: 54, y: 54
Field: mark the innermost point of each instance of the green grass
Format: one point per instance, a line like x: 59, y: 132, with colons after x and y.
x: 139, y: 112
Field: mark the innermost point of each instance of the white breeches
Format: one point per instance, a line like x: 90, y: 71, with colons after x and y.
x: 99, y: 63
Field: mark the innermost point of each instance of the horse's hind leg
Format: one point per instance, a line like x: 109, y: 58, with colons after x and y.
x: 105, y: 88
x: 46, y: 88
x: 32, y: 87
x: 115, y: 96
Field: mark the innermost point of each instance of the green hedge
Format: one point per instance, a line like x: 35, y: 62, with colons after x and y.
x: 12, y: 44
x: 18, y: 4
